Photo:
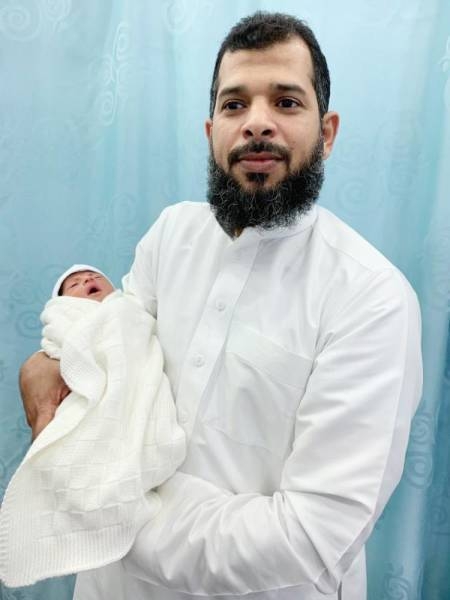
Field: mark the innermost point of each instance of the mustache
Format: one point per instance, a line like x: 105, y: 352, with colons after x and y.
x: 256, y: 147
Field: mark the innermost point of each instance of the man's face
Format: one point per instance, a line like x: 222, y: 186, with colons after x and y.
x: 265, y: 96
x: 86, y: 284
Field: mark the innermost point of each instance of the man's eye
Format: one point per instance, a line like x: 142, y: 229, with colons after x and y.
x: 288, y: 103
x: 233, y: 105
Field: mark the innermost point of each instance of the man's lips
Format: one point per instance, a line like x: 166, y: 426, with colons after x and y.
x: 259, y: 162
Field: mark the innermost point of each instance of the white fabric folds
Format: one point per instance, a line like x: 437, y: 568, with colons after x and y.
x: 82, y: 491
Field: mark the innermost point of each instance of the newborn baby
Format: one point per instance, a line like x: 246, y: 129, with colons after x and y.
x: 81, y: 283
x: 85, y: 487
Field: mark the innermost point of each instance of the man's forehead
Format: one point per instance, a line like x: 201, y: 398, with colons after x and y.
x: 291, y: 56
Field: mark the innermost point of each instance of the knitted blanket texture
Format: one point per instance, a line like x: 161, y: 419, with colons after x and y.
x: 83, y: 490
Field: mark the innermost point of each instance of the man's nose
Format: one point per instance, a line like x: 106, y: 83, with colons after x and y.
x: 259, y: 123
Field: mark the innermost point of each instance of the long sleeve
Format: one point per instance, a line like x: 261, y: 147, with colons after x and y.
x: 141, y: 281
x: 351, y: 433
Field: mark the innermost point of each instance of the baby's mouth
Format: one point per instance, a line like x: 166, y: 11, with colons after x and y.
x: 93, y: 290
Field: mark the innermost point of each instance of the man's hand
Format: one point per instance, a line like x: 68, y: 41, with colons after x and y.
x: 42, y: 389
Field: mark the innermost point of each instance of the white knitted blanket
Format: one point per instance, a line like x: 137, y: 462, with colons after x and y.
x: 81, y: 493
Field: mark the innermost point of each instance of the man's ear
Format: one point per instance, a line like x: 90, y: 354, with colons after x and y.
x: 330, y: 126
x: 208, y: 128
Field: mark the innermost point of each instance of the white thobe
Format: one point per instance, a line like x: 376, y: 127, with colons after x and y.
x: 294, y: 356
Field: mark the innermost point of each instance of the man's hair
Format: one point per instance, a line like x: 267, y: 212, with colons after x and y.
x: 262, y: 30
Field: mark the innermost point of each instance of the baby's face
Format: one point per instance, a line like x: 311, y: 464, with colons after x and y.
x: 86, y: 284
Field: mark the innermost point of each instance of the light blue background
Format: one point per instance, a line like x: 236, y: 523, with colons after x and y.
x: 102, y: 105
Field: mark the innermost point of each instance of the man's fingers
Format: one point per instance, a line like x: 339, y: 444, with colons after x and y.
x: 41, y: 421
x: 42, y: 389
x: 65, y: 391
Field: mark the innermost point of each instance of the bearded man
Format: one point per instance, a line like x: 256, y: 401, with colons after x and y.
x: 292, y: 347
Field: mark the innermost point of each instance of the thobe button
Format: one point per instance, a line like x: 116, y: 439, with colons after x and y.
x: 183, y: 416
x: 199, y: 360
x: 220, y: 305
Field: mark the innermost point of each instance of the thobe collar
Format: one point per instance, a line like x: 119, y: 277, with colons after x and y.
x: 303, y: 222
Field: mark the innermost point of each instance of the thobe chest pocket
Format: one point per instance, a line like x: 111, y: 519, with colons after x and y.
x: 258, y: 389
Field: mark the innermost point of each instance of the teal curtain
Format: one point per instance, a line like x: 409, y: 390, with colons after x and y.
x: 102, y: 105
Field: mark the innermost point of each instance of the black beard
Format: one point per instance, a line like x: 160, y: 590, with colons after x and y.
x: 279, y: 206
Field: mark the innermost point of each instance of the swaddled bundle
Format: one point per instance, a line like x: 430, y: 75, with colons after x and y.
x: 82, y: 491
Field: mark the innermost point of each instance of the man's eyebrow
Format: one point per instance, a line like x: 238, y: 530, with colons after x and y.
x: 289, y: 87
x: 278, y: 87
x: 232, y: 90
